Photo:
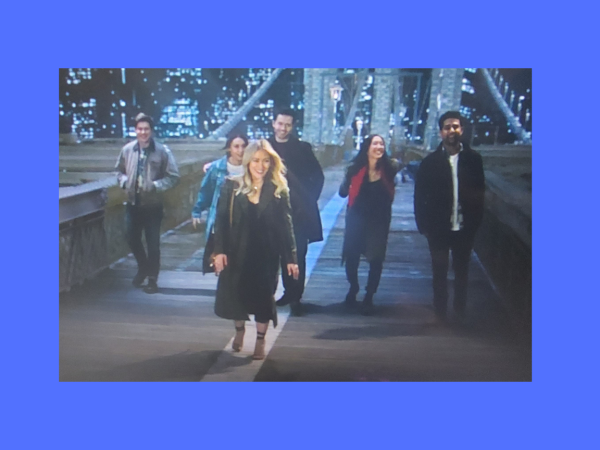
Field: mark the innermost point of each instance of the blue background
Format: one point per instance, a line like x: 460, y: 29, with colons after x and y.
x: 557, y: 409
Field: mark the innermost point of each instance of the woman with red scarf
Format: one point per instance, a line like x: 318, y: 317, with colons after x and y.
x: 369, y: 185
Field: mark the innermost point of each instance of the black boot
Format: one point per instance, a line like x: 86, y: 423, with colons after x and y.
x: 152, y: 287
x: 367, y: 305
x: 296, y: 309
x: 351, y: 296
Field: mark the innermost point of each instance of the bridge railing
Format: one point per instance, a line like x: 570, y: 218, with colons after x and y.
x: 82, y: 239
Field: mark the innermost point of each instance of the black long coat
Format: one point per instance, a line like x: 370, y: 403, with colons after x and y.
x: 232, y: 239
x: 433, y: 191
x: 305, y: 179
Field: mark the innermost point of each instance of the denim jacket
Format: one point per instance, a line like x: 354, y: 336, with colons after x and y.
x: 160, y: 172
x: 208, y: 196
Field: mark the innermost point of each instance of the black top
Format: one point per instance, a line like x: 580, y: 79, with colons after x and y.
x: 373, y: 200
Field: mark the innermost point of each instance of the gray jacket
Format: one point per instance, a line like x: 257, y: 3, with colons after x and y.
x: 161, y: 172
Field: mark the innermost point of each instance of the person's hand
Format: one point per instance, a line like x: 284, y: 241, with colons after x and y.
x: 149, y: 187
x: 293, y: 270
x: 197, y: 221
x: 206, y: 166
x: 220, y: 263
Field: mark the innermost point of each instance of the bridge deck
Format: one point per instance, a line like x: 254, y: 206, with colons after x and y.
x: 110, y: 331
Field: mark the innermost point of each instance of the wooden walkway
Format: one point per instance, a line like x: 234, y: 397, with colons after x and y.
x: 110, y: 331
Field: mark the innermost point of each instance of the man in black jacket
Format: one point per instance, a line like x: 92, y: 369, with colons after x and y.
x: 305, y: 180
x: 448, y: 202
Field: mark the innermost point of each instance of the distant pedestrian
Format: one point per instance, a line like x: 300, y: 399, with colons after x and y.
x: 449, y: 196
x: 253, y: 232
x: 370, y: 185
x: 228, y: 166
x: 145, y: 169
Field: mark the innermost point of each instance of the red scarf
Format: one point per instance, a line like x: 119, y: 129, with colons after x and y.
x: 357, y: 181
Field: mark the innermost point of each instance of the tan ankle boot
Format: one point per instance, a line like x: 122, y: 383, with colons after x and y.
x: 259, y: 349
x: 238, y: 340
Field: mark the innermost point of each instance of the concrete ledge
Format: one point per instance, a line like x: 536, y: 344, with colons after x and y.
x: 503, y: 245
x: 510, y: 205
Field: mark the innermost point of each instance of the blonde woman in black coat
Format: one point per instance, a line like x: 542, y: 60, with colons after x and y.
x: 253, y: 230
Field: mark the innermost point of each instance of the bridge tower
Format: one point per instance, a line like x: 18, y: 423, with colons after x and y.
x: 383, y: 94
x: 318, y: 110
x: 446, y: 92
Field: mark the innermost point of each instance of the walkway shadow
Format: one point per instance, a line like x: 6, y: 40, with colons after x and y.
x: 376, y: 331
x: 381, y: 310
x: 185, y: 366
x: 486, y: 321
x: 340, y: 309
x: 187, y: 291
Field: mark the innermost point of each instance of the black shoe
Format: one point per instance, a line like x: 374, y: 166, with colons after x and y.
x: 284, y: 300
x: 151, y: 287
x: 351, y: 297
x: 296, y: 309
x: 138, y: 279
x: 367, y: 305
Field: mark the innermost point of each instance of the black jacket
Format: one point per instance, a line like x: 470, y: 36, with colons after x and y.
x: 305, y: 180
x: 433, y: 191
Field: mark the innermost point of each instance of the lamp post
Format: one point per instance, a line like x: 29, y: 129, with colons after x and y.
x: 359, y: 125
x: 335, y: 91
x: 399, y: 131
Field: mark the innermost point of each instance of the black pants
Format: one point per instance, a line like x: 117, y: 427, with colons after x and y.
x: 147, y: 219
x: 461, y: 244
x: 294, y: 289
x: 375, y: 269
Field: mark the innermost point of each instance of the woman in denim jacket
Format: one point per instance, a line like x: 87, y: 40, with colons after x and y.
x: 228, y: 166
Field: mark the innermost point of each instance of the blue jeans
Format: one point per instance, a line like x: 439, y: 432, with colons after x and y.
x: 148, y: 219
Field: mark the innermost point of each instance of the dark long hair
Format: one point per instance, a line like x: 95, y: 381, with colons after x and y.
x: 361, y: 160
x: 233, y: 136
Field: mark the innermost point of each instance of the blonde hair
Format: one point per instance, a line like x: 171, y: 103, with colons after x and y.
x: 276, y: 173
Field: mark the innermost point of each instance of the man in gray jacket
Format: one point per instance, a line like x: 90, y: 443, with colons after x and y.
x: 145, y: 169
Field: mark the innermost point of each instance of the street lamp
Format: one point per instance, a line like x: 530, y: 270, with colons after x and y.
x: 399, y: 130
x: 359, y: 125
x: 335, y: 91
